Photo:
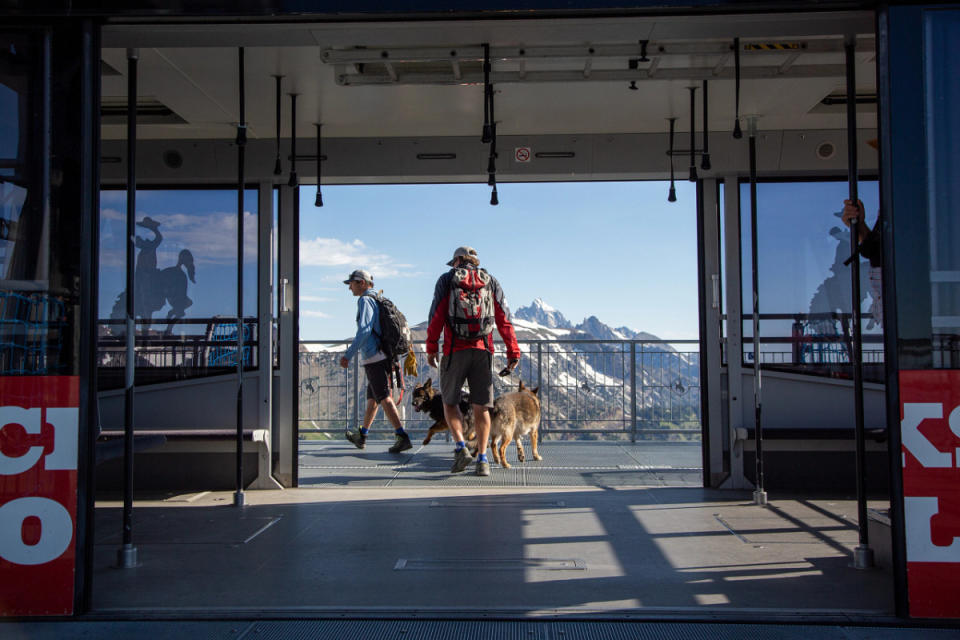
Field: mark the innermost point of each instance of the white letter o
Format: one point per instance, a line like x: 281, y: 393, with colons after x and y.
x: 56, y: 530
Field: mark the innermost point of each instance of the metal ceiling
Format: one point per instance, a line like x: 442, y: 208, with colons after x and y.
x: 423, y: 79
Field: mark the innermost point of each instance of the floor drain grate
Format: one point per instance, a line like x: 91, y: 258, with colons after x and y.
x: 491, y: 564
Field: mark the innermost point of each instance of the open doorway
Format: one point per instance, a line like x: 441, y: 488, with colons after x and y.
x: 597, y: 275
x: 324, y: 550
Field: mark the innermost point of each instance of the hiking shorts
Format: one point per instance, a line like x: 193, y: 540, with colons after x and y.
x: 378, y: 379
x: 473, y: 365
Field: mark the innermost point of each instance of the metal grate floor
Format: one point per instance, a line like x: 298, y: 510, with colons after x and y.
x: 565, y: 464
x: 463, y: 630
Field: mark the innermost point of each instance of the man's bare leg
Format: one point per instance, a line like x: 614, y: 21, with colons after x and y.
x: 370, y: 413
x: 390, y: 410
x: 451, y: 413
x: 481, y: 422
x: 461, y: 457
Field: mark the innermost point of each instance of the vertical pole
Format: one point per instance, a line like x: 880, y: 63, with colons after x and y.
x: 863, y: 554
x: 127, y: 555
x: 540, y: 374
x: 294, y: 185
x: 633, y: 391
x: 241, y: 150
x: 693, y: 133
x: 356, y: 393
x: 705, y: 158
x: 759, y: 494
x: 319, y: 200
x: 277, y: 167
x: 89, y: 217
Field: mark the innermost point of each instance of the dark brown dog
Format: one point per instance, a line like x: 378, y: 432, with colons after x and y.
x: 427, y: 400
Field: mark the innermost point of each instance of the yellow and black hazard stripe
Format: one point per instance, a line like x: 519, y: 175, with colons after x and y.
x: 772, y: 46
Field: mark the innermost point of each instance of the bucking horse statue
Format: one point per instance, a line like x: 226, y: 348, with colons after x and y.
x: 154, y: 287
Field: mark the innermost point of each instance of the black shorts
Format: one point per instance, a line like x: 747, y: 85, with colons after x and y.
x: 378, y: 379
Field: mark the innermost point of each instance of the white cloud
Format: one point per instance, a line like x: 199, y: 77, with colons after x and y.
x: 309, y: 313
x: 210, y: 237
x: 304, y: 298
x: 331, y: 252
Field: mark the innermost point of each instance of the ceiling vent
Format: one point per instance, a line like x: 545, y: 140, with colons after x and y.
x: 837, y: 103
x: 149, y: 111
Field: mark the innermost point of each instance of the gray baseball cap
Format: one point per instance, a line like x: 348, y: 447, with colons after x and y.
x: 359, y: 274
x: 462, y: 252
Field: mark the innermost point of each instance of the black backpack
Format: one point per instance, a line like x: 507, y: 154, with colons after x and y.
x: 395, y: 338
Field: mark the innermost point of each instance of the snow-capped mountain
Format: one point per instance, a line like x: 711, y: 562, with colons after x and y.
x: 543, y: 314
x: 584, y: 372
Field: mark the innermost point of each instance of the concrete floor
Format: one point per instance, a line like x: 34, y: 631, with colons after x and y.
x: 366, y: 544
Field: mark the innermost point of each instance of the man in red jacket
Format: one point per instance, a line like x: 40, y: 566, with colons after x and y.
x: 467, y: 303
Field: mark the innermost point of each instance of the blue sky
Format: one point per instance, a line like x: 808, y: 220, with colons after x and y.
x: 202, y: 221
x: 801, y: 238
x: 617, y: 250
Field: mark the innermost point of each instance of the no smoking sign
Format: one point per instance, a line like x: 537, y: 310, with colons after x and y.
x: 521, y: 154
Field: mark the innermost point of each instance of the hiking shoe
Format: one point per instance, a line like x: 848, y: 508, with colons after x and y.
x: 402, y: 444
x: 483, y: 468
x: 358, y: 439
x: 461, y: 460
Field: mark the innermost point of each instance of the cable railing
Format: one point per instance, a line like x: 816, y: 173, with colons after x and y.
x: 588, y: 389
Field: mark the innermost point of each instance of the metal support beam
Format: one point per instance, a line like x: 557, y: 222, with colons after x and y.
x: 733, y: 304
x: 127, y: 555
x: 241, y: 149
x: 759, y: 494
x: 710, y: 363
x: 863, y: 554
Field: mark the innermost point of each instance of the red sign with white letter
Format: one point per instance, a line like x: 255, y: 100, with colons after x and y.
x: 930, y: 433
x: 39, y: 429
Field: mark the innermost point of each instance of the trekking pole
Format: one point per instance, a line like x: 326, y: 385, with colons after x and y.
x: 241, y: 157
x: 863, y: 554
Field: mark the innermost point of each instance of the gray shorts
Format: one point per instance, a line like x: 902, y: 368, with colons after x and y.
x: 473, y: 365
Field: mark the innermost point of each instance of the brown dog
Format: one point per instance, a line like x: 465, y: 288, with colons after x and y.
x: 427, y: 400
x: 515, y: 415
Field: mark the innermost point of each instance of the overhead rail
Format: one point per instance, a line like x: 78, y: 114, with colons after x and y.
x: 645, y: 60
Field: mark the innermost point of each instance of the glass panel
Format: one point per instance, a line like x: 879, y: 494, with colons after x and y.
x: 37, y: 271
x: 185, y: 283
x: 804, y: 285
x: 942, y: 97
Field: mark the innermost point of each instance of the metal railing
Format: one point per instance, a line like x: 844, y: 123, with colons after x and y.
x: 207, y: 347
x: 588, y: 389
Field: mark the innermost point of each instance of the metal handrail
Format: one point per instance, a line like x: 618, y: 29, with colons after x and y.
x: 618, y: 398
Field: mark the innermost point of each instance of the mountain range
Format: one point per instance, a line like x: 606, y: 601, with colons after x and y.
x: 540, y: 321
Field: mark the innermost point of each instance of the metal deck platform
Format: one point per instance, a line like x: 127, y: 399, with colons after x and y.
x: 328, y: 463
x: 614, y: 531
